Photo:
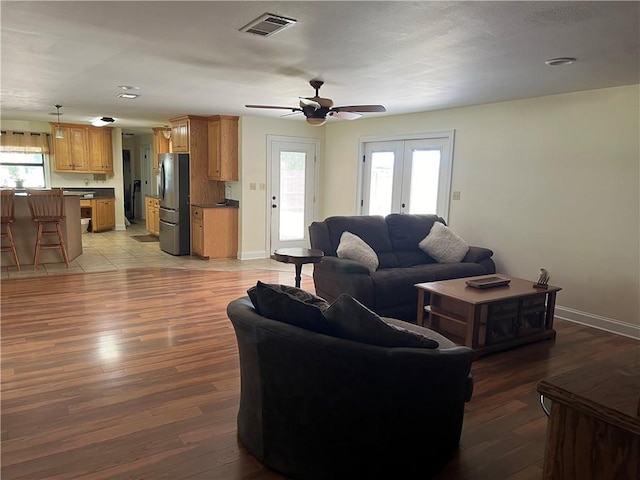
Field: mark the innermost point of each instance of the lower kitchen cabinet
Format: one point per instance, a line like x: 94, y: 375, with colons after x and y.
x: 152, y: 215
x: 214, y: 231
x: 102, y: 212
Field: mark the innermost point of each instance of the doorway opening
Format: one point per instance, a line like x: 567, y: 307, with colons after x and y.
x: 127, y: 184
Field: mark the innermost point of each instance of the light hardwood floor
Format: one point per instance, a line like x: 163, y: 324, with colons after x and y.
x: 133, y: 374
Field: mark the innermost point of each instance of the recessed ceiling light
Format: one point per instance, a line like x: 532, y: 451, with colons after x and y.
x: 128, y: 95
x: 554, y: 62
x: 128, y: 87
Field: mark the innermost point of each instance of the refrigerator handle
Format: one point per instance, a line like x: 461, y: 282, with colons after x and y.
x: 161, y: 192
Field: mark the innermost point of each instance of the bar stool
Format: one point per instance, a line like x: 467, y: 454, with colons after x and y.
x: 8, y: 216
x: 47, y: 208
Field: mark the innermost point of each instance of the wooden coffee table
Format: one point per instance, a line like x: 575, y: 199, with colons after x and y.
x: 491, y: 319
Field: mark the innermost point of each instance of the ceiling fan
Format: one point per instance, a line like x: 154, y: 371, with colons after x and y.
x: 317, y: 108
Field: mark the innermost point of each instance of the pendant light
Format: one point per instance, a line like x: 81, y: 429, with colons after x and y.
x: 167, y: 132
x: 59, y: 133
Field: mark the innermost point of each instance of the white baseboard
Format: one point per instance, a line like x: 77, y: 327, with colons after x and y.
x: 121, y: 226
x: 596, y: 321
x: 253, y: 255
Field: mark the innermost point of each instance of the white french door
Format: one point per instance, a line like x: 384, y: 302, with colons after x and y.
x: 292, y: 190
x: 407, y: 176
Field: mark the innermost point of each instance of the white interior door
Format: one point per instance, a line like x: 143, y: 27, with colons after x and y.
x: 292, y: 191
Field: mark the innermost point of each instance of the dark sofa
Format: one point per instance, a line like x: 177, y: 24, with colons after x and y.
x: 314, y: 406
x: 390, y: 290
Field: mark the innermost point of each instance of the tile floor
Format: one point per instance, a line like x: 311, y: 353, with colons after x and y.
x: 116, y: 250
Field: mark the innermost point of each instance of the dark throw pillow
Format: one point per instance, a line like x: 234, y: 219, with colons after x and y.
x: 351, y: 320
x: 291, y: 305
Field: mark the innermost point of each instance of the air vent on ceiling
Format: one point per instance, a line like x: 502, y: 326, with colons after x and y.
x: 268, y: 24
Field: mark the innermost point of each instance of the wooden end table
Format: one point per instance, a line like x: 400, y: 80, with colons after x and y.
x: 594, y: 424
x: 298, y: 256
x: 491, y: 319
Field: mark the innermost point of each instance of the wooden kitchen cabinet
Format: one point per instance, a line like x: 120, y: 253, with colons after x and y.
x: 70, y: 152
x: 214, y: 232
x: 179, y: 135
x: 152, y: 215
x: 84, y: 149
x: 100, y: 151
x: 223, y: 148
x: 160, y: 145
x: 102, y: 212
x: 105, y: 214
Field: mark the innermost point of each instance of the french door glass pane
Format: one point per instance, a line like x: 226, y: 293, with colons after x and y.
x: 425, y: 171
x: 292, y: 195
x: 381, y: 186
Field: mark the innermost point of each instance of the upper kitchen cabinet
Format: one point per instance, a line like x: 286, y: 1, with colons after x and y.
x: 84, y: 149
x: 160, y: 145
x: 100, y: 152
x: 70, y: 152
x: 180, y: 135
x: 223, y: 148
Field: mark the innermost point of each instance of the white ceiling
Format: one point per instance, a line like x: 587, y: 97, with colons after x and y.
x: 190, y: 58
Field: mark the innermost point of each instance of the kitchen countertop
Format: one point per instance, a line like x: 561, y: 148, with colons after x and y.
x: 229, y: 204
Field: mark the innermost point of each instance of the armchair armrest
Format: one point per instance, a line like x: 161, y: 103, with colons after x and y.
x: 477, y: 254
x: 334, y: 276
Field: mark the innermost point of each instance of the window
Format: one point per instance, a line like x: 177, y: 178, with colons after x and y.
x: 22, y: 159
x: 21, y: 170
x: 407, y: 175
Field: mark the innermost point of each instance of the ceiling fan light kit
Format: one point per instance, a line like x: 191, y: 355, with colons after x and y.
x: 102, y: 121
x: 316, y: 108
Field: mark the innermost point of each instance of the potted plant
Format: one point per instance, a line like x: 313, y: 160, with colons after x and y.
x: 16, y: 177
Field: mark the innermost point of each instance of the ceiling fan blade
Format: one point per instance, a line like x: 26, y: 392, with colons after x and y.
x: 293, y: 109
x: 345, y: 115
x: 360, y: 108
x: 292, y: 113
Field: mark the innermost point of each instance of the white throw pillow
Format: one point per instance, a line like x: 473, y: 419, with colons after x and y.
x: 443, y: 245
x: 352, y: 247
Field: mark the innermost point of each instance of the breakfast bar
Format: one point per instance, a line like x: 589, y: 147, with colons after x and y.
x: 25, y: 232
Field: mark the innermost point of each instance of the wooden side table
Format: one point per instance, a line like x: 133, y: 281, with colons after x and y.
x: 490, y: 319
x: 298, y: 256
x: 594, y: 425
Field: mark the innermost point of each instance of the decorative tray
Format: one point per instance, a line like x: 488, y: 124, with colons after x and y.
x: 488, y: 282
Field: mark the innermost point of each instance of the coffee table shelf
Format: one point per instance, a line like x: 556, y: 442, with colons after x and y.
x: 488, y: 320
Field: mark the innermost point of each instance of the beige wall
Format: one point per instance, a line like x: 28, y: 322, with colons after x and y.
x: 547, y: 182
x: 253, y: 169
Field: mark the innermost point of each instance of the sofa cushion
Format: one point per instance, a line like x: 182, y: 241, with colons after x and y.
x: 443, y: 342
x: 351, y: 320
x: 407, y: 230
x: 352, y: 247
x: 444, y: 245
x: 395, y: 286
x: 291, y: 305
x: 370, y: 228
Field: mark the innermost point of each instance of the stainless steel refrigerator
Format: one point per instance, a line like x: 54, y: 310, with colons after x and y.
x: 173, y: 193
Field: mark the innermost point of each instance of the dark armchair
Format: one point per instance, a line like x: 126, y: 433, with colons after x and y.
x: 313, y: 406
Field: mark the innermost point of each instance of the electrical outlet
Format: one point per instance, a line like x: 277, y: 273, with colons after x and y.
x: 456, y: 195
x: 252, y: 186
